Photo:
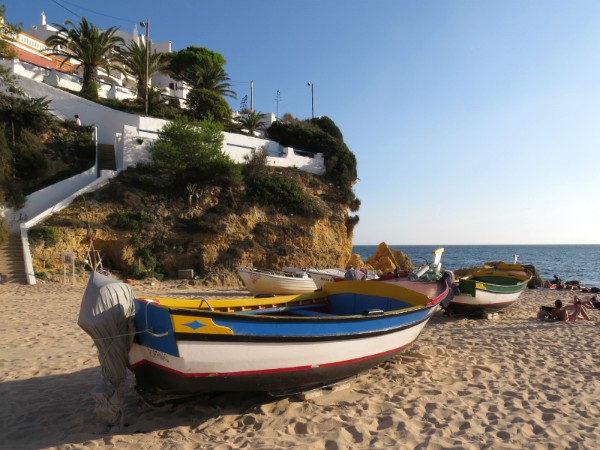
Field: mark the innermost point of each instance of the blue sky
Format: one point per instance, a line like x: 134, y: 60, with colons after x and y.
x: 473, y: 122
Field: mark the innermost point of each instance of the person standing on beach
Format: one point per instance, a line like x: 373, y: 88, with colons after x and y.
x: 353, y: 274
x: 77, y: 120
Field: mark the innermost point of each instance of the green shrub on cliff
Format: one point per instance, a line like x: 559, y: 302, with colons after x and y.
x: 36, y: 150
x: 130, y: 221
x: 321, y: 136
x: 191, y: 152
x: 273, y: 190
x: 46, y: 234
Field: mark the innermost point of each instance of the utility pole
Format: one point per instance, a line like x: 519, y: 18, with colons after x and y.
x: 146, y: 25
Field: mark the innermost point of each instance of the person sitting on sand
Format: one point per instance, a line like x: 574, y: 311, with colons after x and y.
x: 555, y: 312
x: 586, y: 302
x: 577, y: 309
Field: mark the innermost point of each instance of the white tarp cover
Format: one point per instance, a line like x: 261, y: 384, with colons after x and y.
x: 106, y: 314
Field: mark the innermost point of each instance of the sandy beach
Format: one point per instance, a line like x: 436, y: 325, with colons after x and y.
x: 510, y: 383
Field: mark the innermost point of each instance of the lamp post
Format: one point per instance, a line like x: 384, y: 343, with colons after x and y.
x: 312, y: 97
x: 146, y: 26
x: 277, y: 100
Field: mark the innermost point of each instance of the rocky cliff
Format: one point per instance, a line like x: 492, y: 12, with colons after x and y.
x: 141, y: 233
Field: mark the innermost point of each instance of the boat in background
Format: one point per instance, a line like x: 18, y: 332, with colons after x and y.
x: 289, y: 280
x: 489, y: 289
x: 278, y: 345
x: 322, y: 276
x: 428, y: 279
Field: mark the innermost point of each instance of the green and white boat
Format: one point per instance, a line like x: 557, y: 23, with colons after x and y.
x: 489, y: 289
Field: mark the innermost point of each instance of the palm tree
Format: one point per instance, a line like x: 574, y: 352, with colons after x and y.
x: 213, y: 78
x: 133, y: 60
x: 9, y: 34
x: 252, y: 121
x: 88, y: 45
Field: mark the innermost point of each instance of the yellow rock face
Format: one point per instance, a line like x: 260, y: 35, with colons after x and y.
x: 356, y: 261
x: 385, y: 261
x: 250, y: 236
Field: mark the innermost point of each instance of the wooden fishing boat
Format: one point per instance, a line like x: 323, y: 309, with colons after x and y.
x: 322, y: 276
x: 289, y: 280
x: 489, y: 289
x: 278, y: 344
x: 427, y: 279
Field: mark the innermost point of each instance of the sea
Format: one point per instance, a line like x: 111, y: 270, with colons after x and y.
x: 568, y: 262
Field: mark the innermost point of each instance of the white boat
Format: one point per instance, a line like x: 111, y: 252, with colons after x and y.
x: 289, y: 280
x: 322, y: 276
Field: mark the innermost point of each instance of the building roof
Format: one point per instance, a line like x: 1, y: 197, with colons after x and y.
x: 42, y: 60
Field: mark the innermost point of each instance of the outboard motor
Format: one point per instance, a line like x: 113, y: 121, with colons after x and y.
x: 106, y: 314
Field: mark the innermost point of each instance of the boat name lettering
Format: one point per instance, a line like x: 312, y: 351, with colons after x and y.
x: 155, y: 354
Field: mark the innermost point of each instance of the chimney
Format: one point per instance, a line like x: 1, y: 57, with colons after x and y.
x: 43, y: 17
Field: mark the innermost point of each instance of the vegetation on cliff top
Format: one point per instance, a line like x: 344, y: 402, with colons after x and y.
x: 37, y: 150
x: 191, y: 206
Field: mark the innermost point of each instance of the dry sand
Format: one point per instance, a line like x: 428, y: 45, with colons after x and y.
x: 510, y: 383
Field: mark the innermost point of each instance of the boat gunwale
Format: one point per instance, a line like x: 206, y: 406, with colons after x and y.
x: 191, y: 337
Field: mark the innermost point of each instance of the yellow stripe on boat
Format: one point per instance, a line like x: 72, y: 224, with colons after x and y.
x: 238, y: 304
x: 197, y: 325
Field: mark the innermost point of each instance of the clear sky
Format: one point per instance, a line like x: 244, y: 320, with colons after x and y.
x: 473, y: 122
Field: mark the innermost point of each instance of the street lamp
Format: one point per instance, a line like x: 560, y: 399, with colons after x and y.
x: 146, y: 25
x: 312, y: 96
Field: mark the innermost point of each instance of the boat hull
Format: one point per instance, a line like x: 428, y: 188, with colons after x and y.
x: 320, y: 277
x: 265, y: 283
x: 273, y: 367
x: 196, y: 351
x: 489, y: 291
x: 484, y: 302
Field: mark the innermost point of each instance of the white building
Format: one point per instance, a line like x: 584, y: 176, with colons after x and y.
x: 116, y: 85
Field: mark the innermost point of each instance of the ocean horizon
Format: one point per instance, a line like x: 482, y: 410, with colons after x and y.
x: 579, y: 262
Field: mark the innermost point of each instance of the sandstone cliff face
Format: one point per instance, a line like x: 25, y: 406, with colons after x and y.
x: 212, y: 235
x: 383, y: 260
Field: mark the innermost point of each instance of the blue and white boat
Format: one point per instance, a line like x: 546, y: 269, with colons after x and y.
x: 276, y: 344
x: 279, y: 344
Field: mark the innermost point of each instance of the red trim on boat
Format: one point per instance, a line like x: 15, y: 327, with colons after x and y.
x: 265, y: 371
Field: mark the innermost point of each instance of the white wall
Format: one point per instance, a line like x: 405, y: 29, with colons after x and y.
x: 65, y: 105
x: 130, y: 151
x: 51, y: 195
x: 123, y: 130
x: 59, y: 205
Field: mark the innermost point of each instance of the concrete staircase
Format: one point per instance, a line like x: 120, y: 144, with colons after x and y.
x: 12, y: 267
x: 106, y: 157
